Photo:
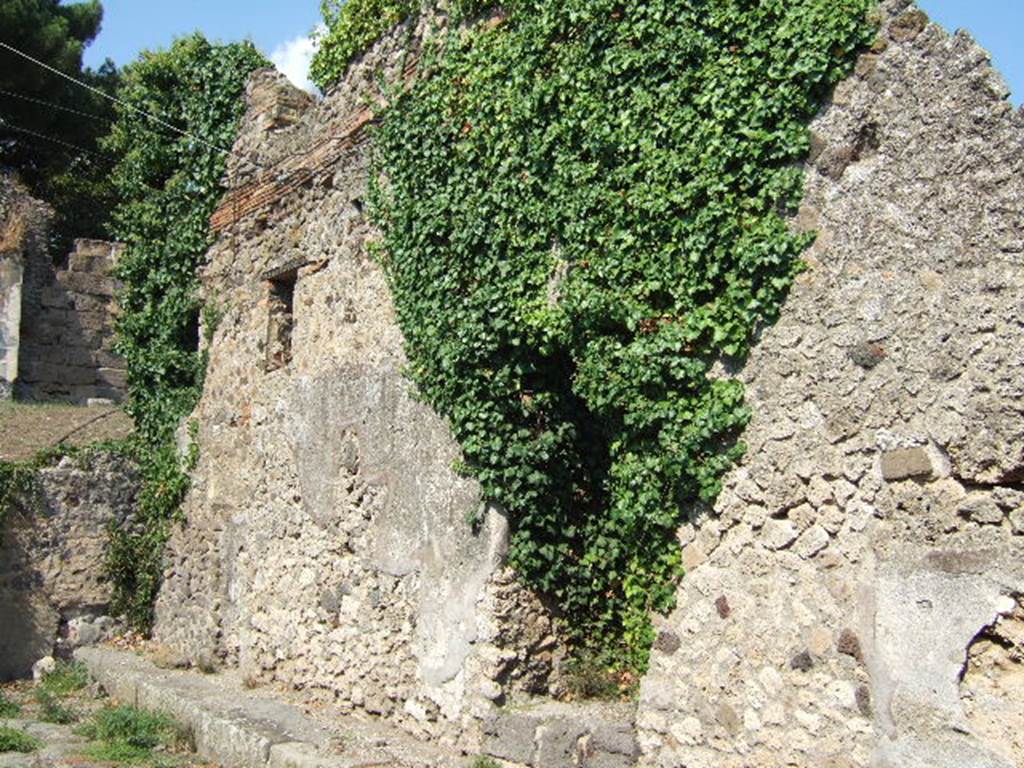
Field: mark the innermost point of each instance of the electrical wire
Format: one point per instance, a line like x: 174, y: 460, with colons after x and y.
x: 5, y: 123
x: 126, y: 105
x: 106, y: 159
x: 44, y: 103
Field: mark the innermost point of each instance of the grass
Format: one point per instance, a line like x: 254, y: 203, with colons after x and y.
x: 66, y: 677
x: 51, y: 710
x: 16, y: 741
x: 8, y: 708
x: 128, y: 735
x: 589, y: 676
x: 482, y: 761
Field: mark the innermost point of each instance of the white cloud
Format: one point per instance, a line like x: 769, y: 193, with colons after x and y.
x: 292, y: 59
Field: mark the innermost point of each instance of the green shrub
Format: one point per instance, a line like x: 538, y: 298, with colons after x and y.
x: 584, y: 210
x: 12, y: 740
x: 18, y: 484
x: 168, y: 188
x: 352, y: 27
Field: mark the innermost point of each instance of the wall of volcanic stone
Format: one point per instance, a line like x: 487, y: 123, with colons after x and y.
x: 855, y: 596
x: 54, y: 594
x: 327, y: 543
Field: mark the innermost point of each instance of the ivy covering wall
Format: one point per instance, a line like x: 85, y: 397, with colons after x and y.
x: 168, y: 185
x: 584, y: 208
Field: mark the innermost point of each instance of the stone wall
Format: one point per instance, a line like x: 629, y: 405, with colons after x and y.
x: 854, y: 598
x: 53, y: 594
x: 328, y: 545
x: 67, y: 333
x: 24, y: 224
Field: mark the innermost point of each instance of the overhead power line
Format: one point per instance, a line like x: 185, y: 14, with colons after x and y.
x: 104, y: 158
x: 5, y: 123
x: 126, y: 105
x: 45, y: 103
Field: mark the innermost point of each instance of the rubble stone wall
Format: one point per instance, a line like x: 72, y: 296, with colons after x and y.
x: 854, y: 598
x: 24, y: 223
x: 67, y: 328
x: 328, y: 543
x: 53, y: 593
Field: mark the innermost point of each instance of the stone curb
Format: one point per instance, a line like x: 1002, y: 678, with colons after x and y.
x: 239, y: 729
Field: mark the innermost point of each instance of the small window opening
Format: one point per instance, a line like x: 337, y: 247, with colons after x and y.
x: 189, y: 332
x: 281, y: 321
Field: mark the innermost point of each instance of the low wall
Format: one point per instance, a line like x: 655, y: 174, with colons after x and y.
x: 52, y: 550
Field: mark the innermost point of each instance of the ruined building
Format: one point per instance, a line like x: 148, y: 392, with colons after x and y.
x: 56, y: 318
x: 856, y: 596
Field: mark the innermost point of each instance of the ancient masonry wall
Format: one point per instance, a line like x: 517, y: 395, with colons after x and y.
x: 856, y: 597
x: 327, y: 545
x: 53, y: 595
x: 67, y: 327
x: 853, y: 599
x: 24, y: 223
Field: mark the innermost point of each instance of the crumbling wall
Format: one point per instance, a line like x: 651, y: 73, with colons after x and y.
x: 842, y: 599
x: 53, y: 593
x: 328, y: 543
x: 24, y: 224
x: 67, y: 333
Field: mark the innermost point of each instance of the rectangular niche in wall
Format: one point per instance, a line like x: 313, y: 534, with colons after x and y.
x: 281, y: 318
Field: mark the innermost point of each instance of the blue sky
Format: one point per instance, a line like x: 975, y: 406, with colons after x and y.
x: 280, y: 27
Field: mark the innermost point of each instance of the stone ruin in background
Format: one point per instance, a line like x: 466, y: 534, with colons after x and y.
x: 56, y: 319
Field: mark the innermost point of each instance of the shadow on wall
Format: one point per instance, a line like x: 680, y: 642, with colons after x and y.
x: 67, y: 327
x: 30, y: 622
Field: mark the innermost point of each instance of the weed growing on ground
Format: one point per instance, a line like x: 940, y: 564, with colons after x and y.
x: 7, y: 707
x: 67, y: 677
x: 128, y: 735
x: 591, y: 675
x: 16, y: 741
x: 51, y: 710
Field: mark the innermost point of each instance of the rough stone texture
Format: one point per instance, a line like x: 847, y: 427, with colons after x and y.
x: 67, y: 330
x: 53, y: 595
x: 557, y: 735
x: 868, y: 540
x: 993, y: 685
x: 24, y: 224
x: 328, y: 543
x: 233, y: 725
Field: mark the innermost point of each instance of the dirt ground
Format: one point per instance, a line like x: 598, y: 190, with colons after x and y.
x: 27, y: 428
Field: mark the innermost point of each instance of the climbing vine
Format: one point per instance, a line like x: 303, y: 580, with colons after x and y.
x: 168, y: 185
x: 583, y: 211
x: 17, y: 483
x: 351, y: 27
